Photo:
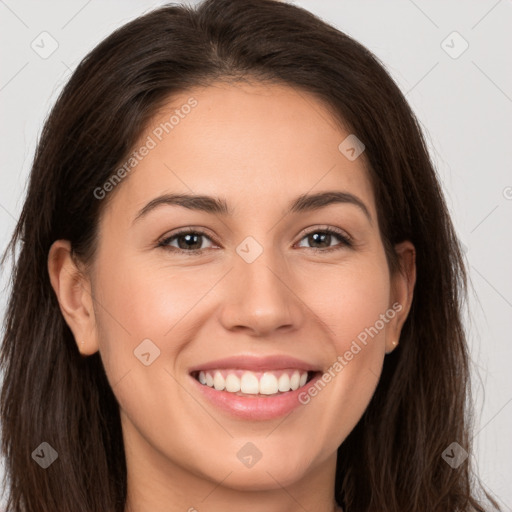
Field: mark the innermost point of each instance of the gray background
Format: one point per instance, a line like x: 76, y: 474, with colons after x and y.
x: 464, y: 103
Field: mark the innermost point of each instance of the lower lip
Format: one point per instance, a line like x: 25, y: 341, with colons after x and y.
x: 255, y: 407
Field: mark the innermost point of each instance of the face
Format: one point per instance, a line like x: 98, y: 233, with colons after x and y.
x: 276, y: 288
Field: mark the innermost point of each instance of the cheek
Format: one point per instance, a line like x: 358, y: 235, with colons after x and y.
x: 349, y: 300
x: 137, y: 301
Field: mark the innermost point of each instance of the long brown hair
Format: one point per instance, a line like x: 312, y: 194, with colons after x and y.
x: 393, y: 459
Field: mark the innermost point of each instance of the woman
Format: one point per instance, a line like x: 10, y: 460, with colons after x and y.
x: 175, y: 338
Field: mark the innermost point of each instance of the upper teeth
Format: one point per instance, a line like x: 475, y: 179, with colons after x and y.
x: 253, y: 383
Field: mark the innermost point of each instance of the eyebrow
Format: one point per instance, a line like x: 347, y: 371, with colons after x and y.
x: 219, y: 206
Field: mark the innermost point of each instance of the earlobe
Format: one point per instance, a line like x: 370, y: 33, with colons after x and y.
x: 73, y: 292
x: 402, y: 292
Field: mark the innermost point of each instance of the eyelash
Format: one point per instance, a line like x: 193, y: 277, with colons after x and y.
x: 346, y: 240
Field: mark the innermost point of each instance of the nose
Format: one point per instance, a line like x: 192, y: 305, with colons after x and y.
x: 259, y: 298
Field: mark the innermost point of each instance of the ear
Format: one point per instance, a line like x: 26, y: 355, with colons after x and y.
x: 402, y: 290
x: 73, y: 290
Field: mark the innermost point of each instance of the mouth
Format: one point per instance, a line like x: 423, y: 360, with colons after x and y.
x: 254, y: 388
x: 248, y: 383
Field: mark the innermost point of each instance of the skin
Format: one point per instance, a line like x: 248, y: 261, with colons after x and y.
x: 258, y: 147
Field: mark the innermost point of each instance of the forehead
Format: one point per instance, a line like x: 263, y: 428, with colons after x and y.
x: 256, y: 145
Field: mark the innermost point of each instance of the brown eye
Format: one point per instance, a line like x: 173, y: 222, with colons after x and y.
x: 325, y: 237
x: 187, y: 241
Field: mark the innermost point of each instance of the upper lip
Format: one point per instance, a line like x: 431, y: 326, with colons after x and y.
x: 256, y: 363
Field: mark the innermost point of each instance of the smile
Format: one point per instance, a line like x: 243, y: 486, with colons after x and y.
x: 252, y: 387
x: 244, y: 382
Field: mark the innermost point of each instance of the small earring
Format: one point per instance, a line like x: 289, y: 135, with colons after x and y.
x: 394, y: 343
